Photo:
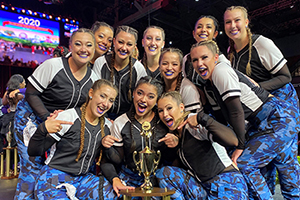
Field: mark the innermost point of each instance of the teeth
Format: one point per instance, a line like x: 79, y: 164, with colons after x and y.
x: 100, y: 110
x: 234, y: 32
x: 169, y: 122
x: 123, y: 53
x: 83, y: 56
x: 152, y: 48
x: 203, y: 36
x: 169, y: 73
x: 141, y: 107
x: 103, y: 48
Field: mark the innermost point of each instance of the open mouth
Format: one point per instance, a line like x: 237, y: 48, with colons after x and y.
x: 83, y: 56
x: 203, y: 71
x: 152, y: 48
x: 100, y: 110
x: 141, y: 107
x: 203, y: 36
x: 169, y: 73
x: 101, y: 47
x: 123, y: 53
x: 169, y: 122
x: 234, y: 32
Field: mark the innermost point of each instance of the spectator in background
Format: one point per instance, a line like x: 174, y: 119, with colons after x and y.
x: 60, y: 51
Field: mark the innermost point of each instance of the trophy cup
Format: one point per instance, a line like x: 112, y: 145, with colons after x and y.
x: 146, y: 163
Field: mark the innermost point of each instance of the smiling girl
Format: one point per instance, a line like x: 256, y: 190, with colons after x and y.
x: 75, y: 143
x: 126, y: 138
x: 170, y: 65
x: 272, y: 127
x: 121, y: 68
x: 57, y: 84
x: 153, y: 43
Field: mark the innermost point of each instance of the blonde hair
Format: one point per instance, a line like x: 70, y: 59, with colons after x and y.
x: 249, y: 34
x: 210, y: 44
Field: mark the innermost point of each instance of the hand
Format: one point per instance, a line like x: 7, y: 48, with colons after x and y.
x: 12, y: 94
x: 118, y: 185
x: 109, y: 140
x: 170, y: 140
x: 236, y: 154
x: 192, y: 121
x: 54, y: 126
x: 54, y: 114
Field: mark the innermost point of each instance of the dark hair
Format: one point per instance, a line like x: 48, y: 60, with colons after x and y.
x: 98, y: 24
x: 60, y: 51
x: 152, y: 81
x: 14, y: 82
x: 180, y: 55
x: 95, y: 87
x: 216, y: 22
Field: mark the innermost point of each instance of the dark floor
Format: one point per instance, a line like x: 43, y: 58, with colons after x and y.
x: 7, y: 189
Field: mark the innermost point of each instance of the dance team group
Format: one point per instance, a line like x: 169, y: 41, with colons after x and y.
x: 224, y: 126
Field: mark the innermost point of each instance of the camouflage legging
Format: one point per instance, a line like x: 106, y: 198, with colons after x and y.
x: 280, y: 122
x: 226, y: 186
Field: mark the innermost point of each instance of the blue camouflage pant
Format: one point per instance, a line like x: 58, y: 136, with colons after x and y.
x: 228, y: 185
x: 29, y: 166
x: 271, y: 140
x: 130, y: 178
x: 289, y: 94
x: 87, y: 186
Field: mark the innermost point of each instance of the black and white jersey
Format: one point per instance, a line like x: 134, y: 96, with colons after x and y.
x: 127, y: 129
x: 155, y: 74
x: 190, y: 95
x: 203, y: 157
x: 121, y: 79
x: 58, y: 87
x: 266, y: 59
x: 229, y: 82
x: 64, y: 152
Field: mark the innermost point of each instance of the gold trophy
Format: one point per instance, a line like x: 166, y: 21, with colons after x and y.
x: 147, y: 163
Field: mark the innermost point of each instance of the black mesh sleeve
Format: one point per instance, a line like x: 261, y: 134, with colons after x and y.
x: 236, y: 119
x: 32, y: 96
x: 279, y: 79
x: 221, y: 134
x: 40, y: 142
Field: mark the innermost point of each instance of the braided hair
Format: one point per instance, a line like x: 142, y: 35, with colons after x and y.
x: 210, y: 44
x: 180, y: 75
x: 249, y: 34
x: 97, y: 85
x: 159, y: 89
x: 134, y: 32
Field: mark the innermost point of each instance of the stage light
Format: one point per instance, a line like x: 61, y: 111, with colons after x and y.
x: 35, y: 13
x: 67, y: 19
x: 23, y: 11
x: 58, y: 18
x: 50, y: 16
x: 63, y: 20
x: 77, y: 22
x: 6, y: 8
x: 44, y: 15
x: 30, y: 12
x: 12, y: 8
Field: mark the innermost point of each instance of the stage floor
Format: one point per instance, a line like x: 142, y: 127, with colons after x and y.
x: 26, y: 55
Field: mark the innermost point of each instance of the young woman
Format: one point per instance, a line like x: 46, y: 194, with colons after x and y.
x: 104, y: 34
x: 75, y: 143
x: 153, y: 42
x: 206, y: 28
x: 126, y: 137
x: 208, y: 171
x: 57, y: 84
x: 170, y: 65
x: 259, y: 58
x: 14, y: 93
x: 123, y: 70
x: 272, y: 123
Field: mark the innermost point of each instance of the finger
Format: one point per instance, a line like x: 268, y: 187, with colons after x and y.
x: 181, y: 125
x: 163, y: 139
x: 64, y: 122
